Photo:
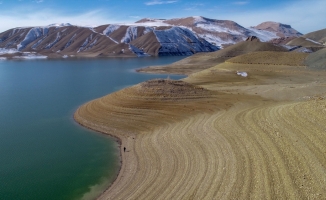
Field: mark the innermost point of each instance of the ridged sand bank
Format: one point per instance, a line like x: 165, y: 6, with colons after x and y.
x: 217, y: 135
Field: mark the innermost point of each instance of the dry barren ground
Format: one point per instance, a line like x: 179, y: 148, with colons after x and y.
x: 217, y: 135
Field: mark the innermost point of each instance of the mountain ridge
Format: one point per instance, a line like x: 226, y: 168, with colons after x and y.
x: 146, y: 37
x: 221, y: 32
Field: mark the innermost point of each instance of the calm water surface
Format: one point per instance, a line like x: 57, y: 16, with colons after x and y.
x: 44, y: 154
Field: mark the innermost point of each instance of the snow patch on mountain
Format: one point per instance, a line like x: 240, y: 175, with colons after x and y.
x: 56, y: 25
x: 54, y: 42
x: 130, y: 35
x: 215, y: 40
x: 92, y: 44
x: 149, y: 22
x: 263, y: 35
x: 137, y: 51
x: 70, y: 41
x: 113, y: 40
x: 313, y: 41
x: 92, y: 29
x: 38, y: 43
x: 14, y: 31
x: 111, y: 28
x: 85, y: 45
x: 31, y: 36
x: 198, y: 19
x: 303, y: 50
x: 289, y: 47
x: 181, y: 41
x: 82, y: 47
x: 59, y: 25
x: 216, y: 28
x: 148, y: 29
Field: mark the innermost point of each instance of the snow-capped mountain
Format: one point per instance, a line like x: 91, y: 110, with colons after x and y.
x: 107, y: 40
x: 225, y: 32
x: 183, y: 36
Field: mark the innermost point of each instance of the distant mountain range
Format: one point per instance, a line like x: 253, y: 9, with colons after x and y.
x: 155, y: 37
x: 225, y: 32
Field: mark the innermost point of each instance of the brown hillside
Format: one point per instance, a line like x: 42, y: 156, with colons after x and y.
x: 148, y: 43
x: 101, y: 28
x: 319, y: 36
x: 246, y: 47
x: 317, y: 60
x: 202, y: 61
x: 301, y: 41
x: 119, y: 33
x: 281, y: 30
x: 12, y: 37
x: 271, y: 58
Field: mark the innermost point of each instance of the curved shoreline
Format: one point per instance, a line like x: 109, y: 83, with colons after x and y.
x: 215, y: 131
x: 128, y: 139
x: 119, y: 142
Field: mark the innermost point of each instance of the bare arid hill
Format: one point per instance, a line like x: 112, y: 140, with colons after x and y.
x: 316, y: 40
x: 202, y: 61
x: 218, y: 135
x: 271, y: 58
x: 317, y: 60
x: 319, y: 36
x: 248, y: 46
x: 281, y: 30
x: 301, y: 41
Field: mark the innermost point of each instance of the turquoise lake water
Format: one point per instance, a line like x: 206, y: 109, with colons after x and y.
x: 44, y: 154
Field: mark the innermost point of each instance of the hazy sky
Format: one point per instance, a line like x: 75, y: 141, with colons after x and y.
x: 303, y: 15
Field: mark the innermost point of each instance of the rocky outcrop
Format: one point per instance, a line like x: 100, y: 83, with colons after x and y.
x: 252, y: 38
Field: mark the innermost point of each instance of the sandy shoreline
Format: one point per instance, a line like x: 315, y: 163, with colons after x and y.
x: 120, y: 146
x: 217, y: 135
x: 126, y: 137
